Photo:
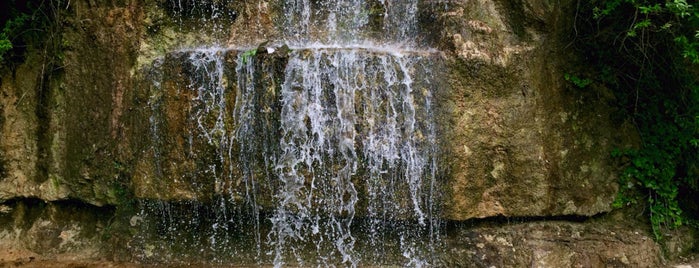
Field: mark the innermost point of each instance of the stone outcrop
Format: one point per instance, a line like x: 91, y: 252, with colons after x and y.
x: 553, y: 244
x: 33, y: 229
x: 516, y: 139
x: 66, y: 115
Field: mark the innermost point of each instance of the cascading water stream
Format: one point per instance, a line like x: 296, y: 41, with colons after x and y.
x: 343, y: 147
x: 351, y: 117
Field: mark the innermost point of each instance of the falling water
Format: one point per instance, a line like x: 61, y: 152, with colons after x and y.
x: 350, y: 119
x: 344, y: 146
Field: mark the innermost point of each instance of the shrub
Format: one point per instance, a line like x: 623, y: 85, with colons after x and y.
x: 646, y: 52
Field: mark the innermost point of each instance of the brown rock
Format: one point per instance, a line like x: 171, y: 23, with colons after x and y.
x: 519, y: 140
x: 552, y: 244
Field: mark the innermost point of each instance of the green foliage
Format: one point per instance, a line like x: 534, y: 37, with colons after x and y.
x: 26, y: 24
x: 5, y: 45
x: 644, y: 50
x: 247, y: 55
x: 690, y: 49
x: 642, y: 18
x: 577, y: 81
x: 11, y: 28
x: 662, y: 165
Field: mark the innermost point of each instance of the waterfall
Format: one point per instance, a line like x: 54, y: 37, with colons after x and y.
x: 348, y: 116
x: 329, y: 160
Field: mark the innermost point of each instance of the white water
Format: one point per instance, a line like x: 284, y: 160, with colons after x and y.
x: 355, y: 138
x: 349, y: 102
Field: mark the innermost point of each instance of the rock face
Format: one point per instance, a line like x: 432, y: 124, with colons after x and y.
x: 33, y: 229
x: 553, y: 244
x: 519, y: 140
x: 63, y: 133
x: 515, y: 139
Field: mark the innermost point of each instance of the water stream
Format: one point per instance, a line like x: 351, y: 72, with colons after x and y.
x: 331, y: 160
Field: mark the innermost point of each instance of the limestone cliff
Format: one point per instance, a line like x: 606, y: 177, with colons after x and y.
x: 105, y: 133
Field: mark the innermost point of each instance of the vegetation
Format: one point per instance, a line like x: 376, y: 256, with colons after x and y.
x: 24, y: 24
x: 248, y: 54
x: 5, y: 45
x: 647, y: 53
x: 577, y: 81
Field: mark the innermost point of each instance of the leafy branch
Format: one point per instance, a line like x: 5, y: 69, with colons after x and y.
x: 646, y: 52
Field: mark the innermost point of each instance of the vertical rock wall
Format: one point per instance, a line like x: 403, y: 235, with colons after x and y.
x: 67, y: 132
x: 66, y: 119
x: 518, y: 139
x: 515, y: 138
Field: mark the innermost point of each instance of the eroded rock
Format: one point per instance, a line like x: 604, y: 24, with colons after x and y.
x: 519, y: 140
x: 552, y: 244
x: 515, y: 138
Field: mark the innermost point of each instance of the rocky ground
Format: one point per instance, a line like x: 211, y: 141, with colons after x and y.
x: 27, y: 263
x: 617, y: 239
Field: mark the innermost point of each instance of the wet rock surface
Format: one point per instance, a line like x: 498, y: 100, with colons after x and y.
x: 515, y: 139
